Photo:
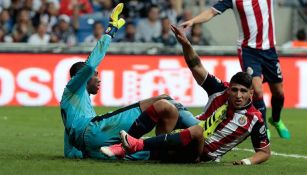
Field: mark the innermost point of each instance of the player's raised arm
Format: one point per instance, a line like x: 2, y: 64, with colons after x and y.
x: 204, y: 16
x: 97, y: 55
x: 209, y: 13
x: 191, y: 57
x: 99, y: 51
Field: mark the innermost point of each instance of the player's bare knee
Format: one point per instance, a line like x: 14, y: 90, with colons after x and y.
x: 165, y: 107
x: 164, y: 96
x: 196, y: 132
x: 162, y: 105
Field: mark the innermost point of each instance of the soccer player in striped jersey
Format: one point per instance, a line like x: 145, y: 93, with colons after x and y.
x: 256, y: 51
x: 229, y: 108
x: 85, y: 132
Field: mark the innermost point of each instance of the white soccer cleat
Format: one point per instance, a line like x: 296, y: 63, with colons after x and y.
x: 113, y: 150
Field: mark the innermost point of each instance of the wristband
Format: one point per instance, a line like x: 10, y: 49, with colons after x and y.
x: 246, y: 162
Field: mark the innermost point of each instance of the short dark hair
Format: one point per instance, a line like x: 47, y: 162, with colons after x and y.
x: 75, y: 68
x: 242, y: 78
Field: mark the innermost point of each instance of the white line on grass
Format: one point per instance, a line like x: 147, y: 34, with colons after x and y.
x: 274, y: 153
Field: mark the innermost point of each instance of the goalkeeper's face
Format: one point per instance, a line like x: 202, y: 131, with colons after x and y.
x: 93, y: 84
x: 239, y: 95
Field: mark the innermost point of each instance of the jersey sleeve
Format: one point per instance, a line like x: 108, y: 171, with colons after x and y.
x: 94, y: 59
x: 258, y: 136
x: 222, y: 5
x: 213, y: 85
x: 69, y: 150
x: 97, y: 55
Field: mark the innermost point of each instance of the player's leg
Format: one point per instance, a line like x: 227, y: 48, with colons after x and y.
x: 273, y: 75
x: 161, y: 114
x: 144, y: 104
x: 277, y: 100
x: 104, y: 130
x: 185, y: 118
x: 167, y: 141
x: 160, y: 111
x: 251, y: 63
x: 258, y: 101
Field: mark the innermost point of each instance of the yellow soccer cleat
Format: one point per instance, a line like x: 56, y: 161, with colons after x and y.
x: 211, y: 123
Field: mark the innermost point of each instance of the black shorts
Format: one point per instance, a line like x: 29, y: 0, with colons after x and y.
x: 260, y: 63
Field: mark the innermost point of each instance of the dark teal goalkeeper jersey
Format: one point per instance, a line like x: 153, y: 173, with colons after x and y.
x: 76, y: 108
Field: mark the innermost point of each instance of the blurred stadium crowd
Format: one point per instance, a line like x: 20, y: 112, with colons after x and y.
x: 83, y: 21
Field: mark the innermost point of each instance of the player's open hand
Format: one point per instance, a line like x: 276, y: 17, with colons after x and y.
x: 238, y: 162
x: 180, y: 36
x: 242, y: 162
x: 187, y: 24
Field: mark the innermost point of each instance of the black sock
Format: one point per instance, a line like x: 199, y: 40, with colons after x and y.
x: 167, y: 141
x: 277, y: 105
x: 260, y: 105
x: 144, y: 123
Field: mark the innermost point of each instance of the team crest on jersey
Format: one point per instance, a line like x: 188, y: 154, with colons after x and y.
x: 241, y: 120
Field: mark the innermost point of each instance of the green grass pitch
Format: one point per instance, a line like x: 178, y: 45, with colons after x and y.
x: 31, y: 142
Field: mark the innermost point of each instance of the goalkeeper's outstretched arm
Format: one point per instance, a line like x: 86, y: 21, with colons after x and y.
x: 99, y: 52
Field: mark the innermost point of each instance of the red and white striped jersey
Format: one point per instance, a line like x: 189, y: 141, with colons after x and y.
x: 237, y: 125
x: 255, y: 20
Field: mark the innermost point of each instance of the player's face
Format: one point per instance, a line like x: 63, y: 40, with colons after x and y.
x: 93, y: 84
x: 239, y: 95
